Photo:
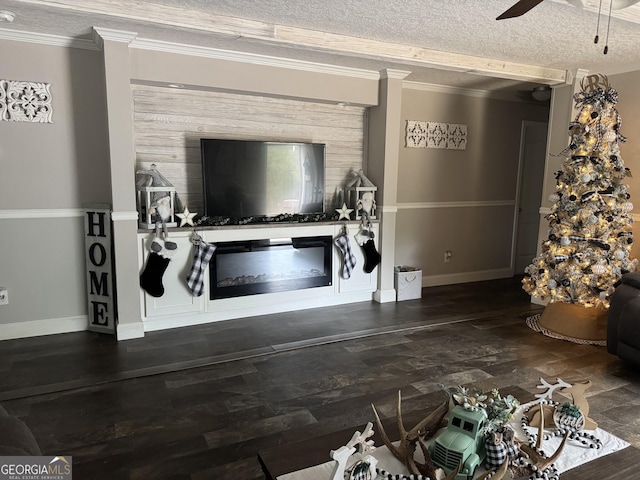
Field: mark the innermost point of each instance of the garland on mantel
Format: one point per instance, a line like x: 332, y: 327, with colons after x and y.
x: 282, y: 218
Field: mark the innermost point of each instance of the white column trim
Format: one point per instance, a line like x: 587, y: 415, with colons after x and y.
x: 124, y: 215
x: 385, y: 296
x: 129, y: 331
x: 389, y: 209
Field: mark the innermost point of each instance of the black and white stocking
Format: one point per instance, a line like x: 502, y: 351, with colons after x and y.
x: 348, y: 258
x: 201, y: 256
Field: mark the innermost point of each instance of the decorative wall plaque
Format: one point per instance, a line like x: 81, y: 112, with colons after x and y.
x: 421, y: 134
x: 416, y: 134
x: 25, y: 102
x: 457, y: 138
x: 437, y: 134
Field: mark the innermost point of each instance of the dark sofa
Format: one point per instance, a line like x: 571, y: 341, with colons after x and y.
x: 623, y: 325
x: 16, y: 438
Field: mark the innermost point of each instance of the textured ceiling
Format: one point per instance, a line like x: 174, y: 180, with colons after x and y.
x: 554, y: 35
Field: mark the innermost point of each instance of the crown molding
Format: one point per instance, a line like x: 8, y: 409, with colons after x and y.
x: 469, y: 92
x: 100, y: 35
x: 46, y: 39
x: 252, y: 58
x: 394, y: 74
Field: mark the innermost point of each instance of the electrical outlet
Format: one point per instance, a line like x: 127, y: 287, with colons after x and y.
x: 4, y: 296
x: 447, y: 256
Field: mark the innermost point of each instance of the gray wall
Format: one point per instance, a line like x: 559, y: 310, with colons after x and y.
x: 626, y: 85
x: 48, y: 172
x: 461, y: 200
x: 63, y: 164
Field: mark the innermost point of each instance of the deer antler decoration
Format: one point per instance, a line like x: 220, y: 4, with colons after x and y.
x: 539, y: 460
x: 498, y: 474
x: 534, y: 454
x: 410, y: 439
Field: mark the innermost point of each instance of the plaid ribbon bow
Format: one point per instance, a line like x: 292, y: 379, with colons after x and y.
x: 593, y: 194
x: 564, y: 258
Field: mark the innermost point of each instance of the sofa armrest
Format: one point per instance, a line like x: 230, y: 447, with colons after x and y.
x: 632, y: 279
x: 16, y: 439
x: 617, y: 306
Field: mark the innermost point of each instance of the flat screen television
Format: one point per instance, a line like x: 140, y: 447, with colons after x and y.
x: 248, y: 178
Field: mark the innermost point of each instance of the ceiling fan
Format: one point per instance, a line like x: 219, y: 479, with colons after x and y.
x: 523, y: 6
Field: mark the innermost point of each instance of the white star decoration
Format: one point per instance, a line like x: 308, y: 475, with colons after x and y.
x: 186, y: 217
x: 344, y: 212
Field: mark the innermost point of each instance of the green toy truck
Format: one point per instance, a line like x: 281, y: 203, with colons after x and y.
x: 461, y: 443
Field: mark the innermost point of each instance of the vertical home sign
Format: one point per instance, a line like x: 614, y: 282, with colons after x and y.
x: 101, y: 305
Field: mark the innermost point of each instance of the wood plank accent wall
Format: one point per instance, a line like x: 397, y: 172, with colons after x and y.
x: 169, y: 124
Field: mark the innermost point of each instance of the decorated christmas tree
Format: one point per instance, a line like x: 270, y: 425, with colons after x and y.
x: 590, y: 224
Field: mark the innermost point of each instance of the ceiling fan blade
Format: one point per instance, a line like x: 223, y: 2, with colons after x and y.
x: 520, y: 8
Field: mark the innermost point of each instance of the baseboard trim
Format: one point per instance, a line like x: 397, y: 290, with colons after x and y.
x: 129, y: 331
x: 384, y: 296
x: 38, y: 328
x: 465, y: 277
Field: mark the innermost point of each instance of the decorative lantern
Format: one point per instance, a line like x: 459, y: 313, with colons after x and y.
x: 360, y: 194
x: 156, y: 198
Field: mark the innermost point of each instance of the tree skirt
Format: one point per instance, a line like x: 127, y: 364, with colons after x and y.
x: 574, y: 323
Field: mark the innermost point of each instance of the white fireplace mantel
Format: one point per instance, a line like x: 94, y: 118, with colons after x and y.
x: 177, y: 307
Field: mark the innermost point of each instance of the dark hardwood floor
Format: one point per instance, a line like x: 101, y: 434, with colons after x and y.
x: 200, y: 402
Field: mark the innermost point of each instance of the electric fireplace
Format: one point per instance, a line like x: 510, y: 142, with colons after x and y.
x: 271, y: 265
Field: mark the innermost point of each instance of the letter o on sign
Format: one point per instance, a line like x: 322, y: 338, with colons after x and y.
x: 101, y: 252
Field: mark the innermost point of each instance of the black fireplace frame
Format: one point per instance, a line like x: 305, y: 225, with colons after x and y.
x: 221, y: 292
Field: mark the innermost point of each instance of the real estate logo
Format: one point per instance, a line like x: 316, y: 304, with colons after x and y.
x: 36, y: 468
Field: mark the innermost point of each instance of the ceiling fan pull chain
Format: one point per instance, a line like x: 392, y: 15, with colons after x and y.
x: 606, y: 43
x: 595, y: 40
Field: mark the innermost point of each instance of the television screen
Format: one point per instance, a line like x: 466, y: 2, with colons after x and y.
x: 244, y: 178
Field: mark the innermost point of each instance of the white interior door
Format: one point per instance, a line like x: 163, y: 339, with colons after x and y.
x: 532, y: 160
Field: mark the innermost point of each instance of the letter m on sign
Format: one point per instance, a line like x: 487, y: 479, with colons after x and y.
x: 97, y: 240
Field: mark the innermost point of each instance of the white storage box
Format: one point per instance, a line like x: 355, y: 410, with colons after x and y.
x: 408, y: 282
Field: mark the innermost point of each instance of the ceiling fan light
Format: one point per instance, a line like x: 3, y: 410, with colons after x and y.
x: 577, y: 3
x: 7, y: 16
x: 541, y: 93
x: 620, y: 4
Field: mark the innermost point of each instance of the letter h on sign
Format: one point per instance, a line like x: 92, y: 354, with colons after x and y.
x: 101, y: 308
